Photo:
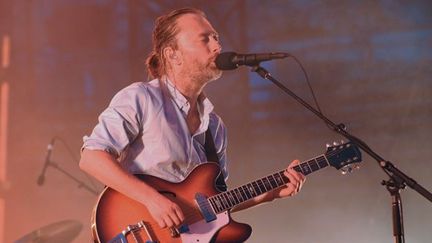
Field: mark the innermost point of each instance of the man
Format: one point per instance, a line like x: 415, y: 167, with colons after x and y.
x: 159, y: 127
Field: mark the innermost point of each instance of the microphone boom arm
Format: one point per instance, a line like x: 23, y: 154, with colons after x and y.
x: 387, y: 166
x: 80, y: 183
x: 397, y: 180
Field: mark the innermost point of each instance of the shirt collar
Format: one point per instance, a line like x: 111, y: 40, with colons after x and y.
x: 205, y: 107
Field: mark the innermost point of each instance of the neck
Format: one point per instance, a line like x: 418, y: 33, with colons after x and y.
x: 189, y: 88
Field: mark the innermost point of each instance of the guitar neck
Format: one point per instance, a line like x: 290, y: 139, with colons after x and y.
x: 226, y: 200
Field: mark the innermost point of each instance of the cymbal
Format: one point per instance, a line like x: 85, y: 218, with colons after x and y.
x: 62, y: 231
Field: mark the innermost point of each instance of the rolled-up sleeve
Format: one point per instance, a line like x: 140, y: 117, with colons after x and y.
x: 120, y: 123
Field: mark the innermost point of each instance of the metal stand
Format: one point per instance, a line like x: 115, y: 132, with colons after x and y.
x: 394, y: 189
x: 397, y: 180
x: 80, y: 183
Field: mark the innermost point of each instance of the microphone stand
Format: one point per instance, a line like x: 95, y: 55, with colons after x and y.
x: 80, y: 183
x: 397, y: 181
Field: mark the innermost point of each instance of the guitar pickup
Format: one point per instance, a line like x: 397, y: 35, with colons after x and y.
x: 205, y: 207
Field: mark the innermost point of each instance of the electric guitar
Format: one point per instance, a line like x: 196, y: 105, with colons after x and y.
x: 118, y: 219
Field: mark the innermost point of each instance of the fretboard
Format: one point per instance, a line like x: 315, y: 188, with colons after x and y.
x: 226, y: 200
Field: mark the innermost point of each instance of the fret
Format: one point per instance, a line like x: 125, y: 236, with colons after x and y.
x: 223, y: 201
x: 267, y: 184
x: 243, y: 193
x: 298, y: 168
x: 272, y: 181
x: 229, y: 203
x: 314, y: 165
x: 213, y: 205
x: 238, y: 194
x: 322, y: 162
x: 305, y: 168
x: 232, y: 198
x: 284, y: 178
x: 279, y: 179
x: 218, y: 203
x: 227, y: 200
x: 260, y: 184
x: 252, y: 189
x: 308, y: 164
x: 327, y: 162
x: 261, y: 188
x: 246, y: 190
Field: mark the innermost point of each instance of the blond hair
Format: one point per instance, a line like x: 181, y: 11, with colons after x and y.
x: 164, y: 35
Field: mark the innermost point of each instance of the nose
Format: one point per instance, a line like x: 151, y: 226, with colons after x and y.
x: 216, y: 46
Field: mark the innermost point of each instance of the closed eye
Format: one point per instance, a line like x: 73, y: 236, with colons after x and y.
x: 206, y: 37
x: 215, y: 37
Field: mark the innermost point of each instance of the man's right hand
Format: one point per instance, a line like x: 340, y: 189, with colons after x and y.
x: 164, y: 211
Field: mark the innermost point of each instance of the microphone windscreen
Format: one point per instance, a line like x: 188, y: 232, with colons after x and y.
x: 225, y: 61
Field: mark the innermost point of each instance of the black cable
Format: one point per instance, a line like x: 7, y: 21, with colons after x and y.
x: 307, y: 82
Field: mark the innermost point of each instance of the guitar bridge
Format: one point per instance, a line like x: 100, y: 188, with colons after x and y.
x: 133, y: 230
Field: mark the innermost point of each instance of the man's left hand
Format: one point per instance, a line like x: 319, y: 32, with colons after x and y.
x: 296, y: 181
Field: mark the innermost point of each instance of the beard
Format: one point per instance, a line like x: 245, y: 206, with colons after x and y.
x: 203, y: 73
x: 214, y: 73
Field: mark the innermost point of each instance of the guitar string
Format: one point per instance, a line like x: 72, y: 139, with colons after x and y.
x: 192, y: 215
x: 227, y: 198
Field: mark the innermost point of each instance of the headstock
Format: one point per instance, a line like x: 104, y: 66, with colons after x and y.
x: 342, y: 156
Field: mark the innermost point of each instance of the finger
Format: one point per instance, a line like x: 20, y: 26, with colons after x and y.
x: 291, y: 189
x: 291, y: 168
x: 179, y: 213
x: 292, y: 180
x: 293, y: 177
x: 168, y: 221
x: 161, y: 223
x: 295, y: 174
x: 175, y: 219
x: 294, y: 163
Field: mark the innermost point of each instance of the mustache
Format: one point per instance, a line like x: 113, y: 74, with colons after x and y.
x: 213, y: 58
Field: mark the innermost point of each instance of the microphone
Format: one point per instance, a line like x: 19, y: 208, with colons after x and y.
x: 232, y: 60
x: 41, y: 178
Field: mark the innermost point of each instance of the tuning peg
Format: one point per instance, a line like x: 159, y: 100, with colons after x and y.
x: 356, y: 166
x: 328, y: 145
x: 342, y: 141
x: 335, y: 144
x: 346, y: 169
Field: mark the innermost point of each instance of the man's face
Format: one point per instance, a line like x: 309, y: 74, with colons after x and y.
x: 198, y: 46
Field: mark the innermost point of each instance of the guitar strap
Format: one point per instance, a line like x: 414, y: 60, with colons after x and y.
x: 211, y: 155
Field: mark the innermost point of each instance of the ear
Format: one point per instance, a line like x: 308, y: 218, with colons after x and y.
x: 172, y: 55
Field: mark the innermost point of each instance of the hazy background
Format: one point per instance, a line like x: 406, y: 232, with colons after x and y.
x: 369, y: 63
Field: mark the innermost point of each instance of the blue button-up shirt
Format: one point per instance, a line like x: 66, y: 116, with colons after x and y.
x: 145, y: 127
